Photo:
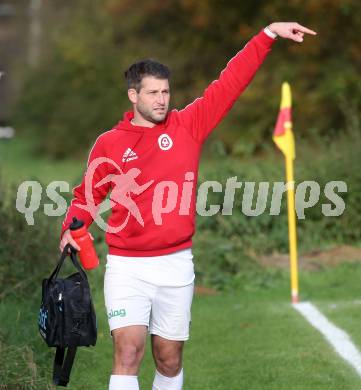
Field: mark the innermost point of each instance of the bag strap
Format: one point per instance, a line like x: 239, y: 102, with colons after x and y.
x: 76, y: 264
x: 62, y: 368
x: 87, y: 295
x: 61, y: 262
x: 54, y: 274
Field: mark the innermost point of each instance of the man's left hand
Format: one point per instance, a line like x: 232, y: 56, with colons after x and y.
x: 290, y: 30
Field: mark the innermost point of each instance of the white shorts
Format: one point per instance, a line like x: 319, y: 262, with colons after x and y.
x: 154, y: 291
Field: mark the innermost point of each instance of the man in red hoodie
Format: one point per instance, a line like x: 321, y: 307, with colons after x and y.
x: 149, y: 161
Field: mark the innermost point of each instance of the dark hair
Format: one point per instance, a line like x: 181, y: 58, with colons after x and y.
x: 148, y: 67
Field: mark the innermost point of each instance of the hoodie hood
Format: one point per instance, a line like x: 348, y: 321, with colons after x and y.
x: 126, y: 125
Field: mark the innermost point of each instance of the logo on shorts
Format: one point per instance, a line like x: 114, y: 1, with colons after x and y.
x: 116, y: 313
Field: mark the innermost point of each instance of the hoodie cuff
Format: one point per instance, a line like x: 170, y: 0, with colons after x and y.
x: 264, y: 40
x: 270, y: 33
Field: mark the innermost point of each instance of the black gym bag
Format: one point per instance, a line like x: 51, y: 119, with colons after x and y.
x: 67, y: 316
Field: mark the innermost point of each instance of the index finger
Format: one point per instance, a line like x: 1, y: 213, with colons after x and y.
x: 305, y: 29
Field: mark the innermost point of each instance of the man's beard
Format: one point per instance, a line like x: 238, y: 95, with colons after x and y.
x: 150, y: 115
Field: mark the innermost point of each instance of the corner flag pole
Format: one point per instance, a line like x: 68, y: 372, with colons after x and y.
x: 284, y: 139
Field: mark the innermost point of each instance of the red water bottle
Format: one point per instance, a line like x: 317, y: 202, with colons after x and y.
x: 87, y: 254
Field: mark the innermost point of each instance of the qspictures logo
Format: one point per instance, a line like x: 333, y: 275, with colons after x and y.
x: 167, y: 196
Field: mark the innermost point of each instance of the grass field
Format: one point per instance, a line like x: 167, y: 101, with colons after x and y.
x: 243, y: 340
x: 250, y: 338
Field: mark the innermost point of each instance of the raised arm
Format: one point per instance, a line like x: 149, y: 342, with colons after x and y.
x: 204, y: 114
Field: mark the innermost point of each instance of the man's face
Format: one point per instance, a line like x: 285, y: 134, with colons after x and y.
x: 152, y: 101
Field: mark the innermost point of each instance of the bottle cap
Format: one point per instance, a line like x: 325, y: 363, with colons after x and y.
x: 76, y: 224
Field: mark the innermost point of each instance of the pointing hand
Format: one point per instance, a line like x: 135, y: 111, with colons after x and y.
x: 290, y: 30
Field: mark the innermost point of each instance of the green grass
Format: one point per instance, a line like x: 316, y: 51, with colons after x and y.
x: 17, y: 163
x: 338, y: 296
x: 243, y: 340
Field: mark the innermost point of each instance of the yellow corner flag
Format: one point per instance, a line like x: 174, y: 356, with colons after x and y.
x: 283, y: 137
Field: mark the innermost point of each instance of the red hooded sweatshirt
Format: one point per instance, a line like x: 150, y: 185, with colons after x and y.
x: 151, y: 173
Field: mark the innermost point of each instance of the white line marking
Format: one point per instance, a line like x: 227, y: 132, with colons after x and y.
x: 338, y: 338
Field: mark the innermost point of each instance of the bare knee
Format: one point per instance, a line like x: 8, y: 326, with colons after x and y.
x: 169, y: 366
x: 128, y: 354
x: 127, y: 358
x: 168, y: 357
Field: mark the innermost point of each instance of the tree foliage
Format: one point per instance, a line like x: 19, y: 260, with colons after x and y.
x: 79, y: 90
